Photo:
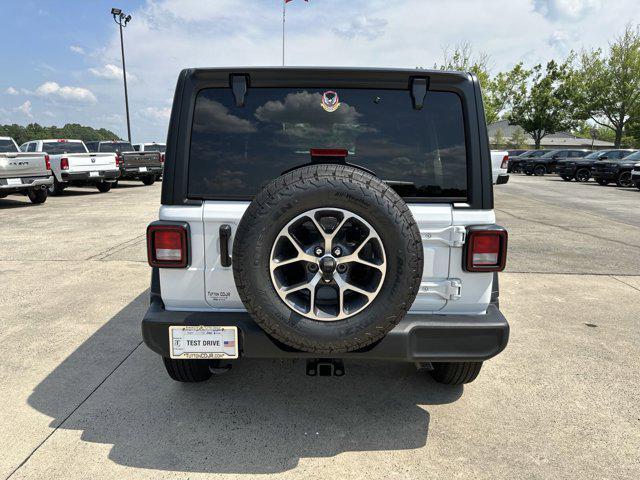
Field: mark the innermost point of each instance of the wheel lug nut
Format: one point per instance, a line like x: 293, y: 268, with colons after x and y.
x: 342, y: 268
x: 313, y: 267
x: 327, y: 280
x: 318, y: 251
x: 337, y: 251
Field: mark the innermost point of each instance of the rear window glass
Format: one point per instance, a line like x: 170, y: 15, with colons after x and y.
x: 156, y: 147
x: 236, y: 150
x: 55, y: 148
x: 7, y: 146
x: 116, y: 147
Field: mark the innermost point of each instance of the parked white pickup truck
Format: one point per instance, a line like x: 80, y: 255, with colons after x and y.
x: 23, y: 173
x: 73, y: 165
x: 499, y: 164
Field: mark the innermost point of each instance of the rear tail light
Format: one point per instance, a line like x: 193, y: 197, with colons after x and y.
x: 162, y: 158
x: 485, y: 249
x: 47, y: 162
x: 118, y: 160
x: 167, y: 245
x: 329, y: 152
x: 64, y: 164
x: 505, y: 162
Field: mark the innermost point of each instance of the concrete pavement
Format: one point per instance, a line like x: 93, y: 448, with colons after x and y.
x: 83, y: 399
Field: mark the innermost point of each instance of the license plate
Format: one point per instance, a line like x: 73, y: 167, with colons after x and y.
x: 14, y: 181
x: 204, y: 342
x: 94, y: 174
x: 143, y: 169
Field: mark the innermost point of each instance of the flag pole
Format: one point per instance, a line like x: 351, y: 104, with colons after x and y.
x: 284, y: 6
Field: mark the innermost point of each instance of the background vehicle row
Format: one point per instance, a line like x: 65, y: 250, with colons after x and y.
x: 580, y: 169
x: 73, y: 165
x: 145, y: 166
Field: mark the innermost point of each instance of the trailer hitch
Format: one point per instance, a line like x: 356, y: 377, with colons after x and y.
x: 325, y: 367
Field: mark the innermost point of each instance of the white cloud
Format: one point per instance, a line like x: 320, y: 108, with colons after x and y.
x: 156, y: 113
x: 11, y: 91
x: 566, y: 9
x: 25, y: 108
x: 362, y: 26
x: 77, y: 49
x: 111, y: 72
x: 79, y: 94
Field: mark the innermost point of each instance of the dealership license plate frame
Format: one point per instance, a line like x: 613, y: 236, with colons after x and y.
x: 203, y: 332
x: 14, y: 182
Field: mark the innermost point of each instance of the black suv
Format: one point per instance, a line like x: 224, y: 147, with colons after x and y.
x: 547, y: 163
x: 515, y: 163
x: 618, y: 171
x: 580, y: 169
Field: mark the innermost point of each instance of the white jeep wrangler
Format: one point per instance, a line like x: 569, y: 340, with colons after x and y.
x: 326, y: 214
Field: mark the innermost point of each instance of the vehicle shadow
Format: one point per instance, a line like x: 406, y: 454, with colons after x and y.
x: 10, y: 203
x: 260, y: 417
x: 76, y: 192
x: 129, y: 184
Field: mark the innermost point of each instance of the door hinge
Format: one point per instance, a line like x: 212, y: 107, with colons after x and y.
x: 453, y: 236
x: 450, y: 289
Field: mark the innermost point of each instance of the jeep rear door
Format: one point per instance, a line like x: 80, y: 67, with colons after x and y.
x: 421, y: 153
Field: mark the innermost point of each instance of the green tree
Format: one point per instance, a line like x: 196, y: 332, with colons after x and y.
x: 499, y: 140
x: 461, y: 57
x: 545, y: 106
x: 34, y: 131
x: 501, y: 89
x: 517, y: 140
x: 497, y: 91
x: 606, y: 86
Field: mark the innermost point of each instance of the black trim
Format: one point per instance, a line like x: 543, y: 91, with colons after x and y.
x: 417, y: 338
x: 466, y: 86
x: 224, y: 233
x: 85, y: 176
x: 502, y: 179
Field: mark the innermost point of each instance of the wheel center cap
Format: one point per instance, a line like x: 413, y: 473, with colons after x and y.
x: 328, y: 265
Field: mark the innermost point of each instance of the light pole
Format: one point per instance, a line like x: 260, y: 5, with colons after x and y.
x: 122, y: 19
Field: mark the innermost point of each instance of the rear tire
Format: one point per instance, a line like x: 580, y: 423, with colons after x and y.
x: 103, y: 187
x: 583, y: 175
x: 150, y: 180
x: 188, y: 371
x: 539, y: 170
x: 38, y: 196
x: 56, y: 188
x: 455, y: 373
x: 624, y: 180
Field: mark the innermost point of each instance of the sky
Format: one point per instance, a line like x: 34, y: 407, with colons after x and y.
x: 61, y: 59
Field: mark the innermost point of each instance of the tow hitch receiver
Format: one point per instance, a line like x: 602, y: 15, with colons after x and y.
x: 325, y: 367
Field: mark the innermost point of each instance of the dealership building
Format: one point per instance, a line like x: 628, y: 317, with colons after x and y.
x: 549, y: 142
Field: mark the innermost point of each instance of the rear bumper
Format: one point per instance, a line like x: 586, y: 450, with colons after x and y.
x: 27, y: 183
x: 103, y: 175
x: 417, y: 338
x: 134, y: 172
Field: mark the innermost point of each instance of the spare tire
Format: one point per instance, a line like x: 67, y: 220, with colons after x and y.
x: 327, y: 259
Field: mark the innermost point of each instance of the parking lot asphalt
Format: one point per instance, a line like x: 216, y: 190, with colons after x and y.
x: 82, y: 398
